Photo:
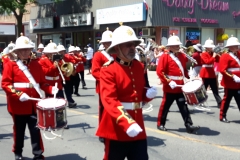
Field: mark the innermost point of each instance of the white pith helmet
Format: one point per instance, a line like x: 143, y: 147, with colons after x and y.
x: 61, y: 48
x: 209, y: 43
x: 11, y: 46
x: 71, y: 49
x: 77, y: 48
x: 50, y: 48
x: 173, y: 41
x: 5, y: 51
x: 40, y: 46
x: 106, y: 36
x: 22, y: 42
x: 232, y: 41
x: 121, y: 35
x: 101, y: 48
x: 142, y: 42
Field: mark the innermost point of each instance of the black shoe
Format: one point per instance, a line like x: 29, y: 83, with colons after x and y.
x: 101, y: 139
x: 72, y: 105
x: 224, y: 120
x: 18, y: 157
x: 84, y: 87
x: 66, y: 127
x: 192, y: 129
x: 77, y: 94
x: 162, y: 128
x: 41, y: 157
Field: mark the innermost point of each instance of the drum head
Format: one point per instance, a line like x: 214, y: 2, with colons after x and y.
x: 51, y: 103
x: 192, y: 85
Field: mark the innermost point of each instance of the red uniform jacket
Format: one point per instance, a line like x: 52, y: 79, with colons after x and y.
x: 97, y: 62
x: 80, y: 64
x: 197, y: 57
x: 207, y: 59
x: 5, y: 59
x: 168, y: 67
x: 121, y: 83
x: 12, y: 74
x: 50, y: 71
x: 226, y: 62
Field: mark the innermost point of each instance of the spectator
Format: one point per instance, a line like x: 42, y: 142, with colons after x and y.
x: 89, y: 57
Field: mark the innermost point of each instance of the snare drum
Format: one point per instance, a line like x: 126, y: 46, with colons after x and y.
x: 194, y: 92
x: 51, y: 114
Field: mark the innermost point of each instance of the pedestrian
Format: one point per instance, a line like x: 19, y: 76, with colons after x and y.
x: 89, y: 56
x: 172, y: 71
x: 122, y: 90
x: 23, y: 78
x: 229, y: 68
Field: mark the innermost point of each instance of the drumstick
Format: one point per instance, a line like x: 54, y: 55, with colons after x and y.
x: 55, y: 93
x: 34, y: 99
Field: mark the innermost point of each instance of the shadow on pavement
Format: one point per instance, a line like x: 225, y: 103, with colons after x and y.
x: 6, y: 136
x: 63, y: 157
x: 158, y: 97
x: 204, y: 131
x: 146, y: 117
x: 83, y: 106
x: 3, y: 104
x: 154, y: 141
x: 235, y: 121
x: 81, y: 125
x: 90, y: 95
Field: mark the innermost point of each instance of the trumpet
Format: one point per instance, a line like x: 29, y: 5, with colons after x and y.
x: 188, y: 57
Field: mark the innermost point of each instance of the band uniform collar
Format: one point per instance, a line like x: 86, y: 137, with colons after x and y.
x: 123, y: 62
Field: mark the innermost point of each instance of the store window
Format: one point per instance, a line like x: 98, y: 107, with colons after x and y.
x: 165, y: 35
x: 193, y: 36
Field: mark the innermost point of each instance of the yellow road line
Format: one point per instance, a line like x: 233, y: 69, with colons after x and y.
x: 168, y: 134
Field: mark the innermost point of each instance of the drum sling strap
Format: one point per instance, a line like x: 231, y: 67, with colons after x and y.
x: 24, y: 69
x: 178, y: 63
x: 234, y: 57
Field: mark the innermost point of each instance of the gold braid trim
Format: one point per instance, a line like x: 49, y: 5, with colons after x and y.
x: 13, y: 90
x: 124, y: 115
x: 168, y: 80
x: 228, y: 74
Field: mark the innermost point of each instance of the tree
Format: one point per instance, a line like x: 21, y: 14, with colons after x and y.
x: 17, y: 8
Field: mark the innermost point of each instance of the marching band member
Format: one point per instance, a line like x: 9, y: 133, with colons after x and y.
x: 230, y: 70
x: 40, y: 48
x: 81, y: 62
x: 171, y: 71
x: 99, y: 59
x: 23, y: 78
x: 197, y: 56
x: 122, y: 89
x: 50, y: 68
x: 68, y: 87
x: 207, y: 72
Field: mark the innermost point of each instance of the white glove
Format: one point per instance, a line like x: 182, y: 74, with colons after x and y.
x: 173, y: 84
x: 134, y: 130
x: 24, y: 97
x: 236, y: 79
x: 54, y: 90
x: 151, y: 92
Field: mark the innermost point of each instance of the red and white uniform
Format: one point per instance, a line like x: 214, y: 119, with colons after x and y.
x: 121, y: 83
x: 80, y: 64
x: 208, y: 60
x: 13, y: 76
x: 197, y: 57
x: 51, y: 72
x: 168, y: 70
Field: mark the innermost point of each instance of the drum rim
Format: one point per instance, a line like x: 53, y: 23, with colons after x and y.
x: 193, y: 90
x: 55, y: 108
x: 57, y: 128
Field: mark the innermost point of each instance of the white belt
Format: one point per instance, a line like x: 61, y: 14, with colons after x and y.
x: 131, y: 105
x: 51, y: 78
x: 207, y: 65
x: 175, y: 77
x: 233, y: 69
x: 24, y: 85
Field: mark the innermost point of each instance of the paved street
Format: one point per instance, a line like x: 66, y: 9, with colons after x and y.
x: 214, y: 141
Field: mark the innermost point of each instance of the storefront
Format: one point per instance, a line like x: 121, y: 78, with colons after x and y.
x: 194, y: 21
x: 7, y: 34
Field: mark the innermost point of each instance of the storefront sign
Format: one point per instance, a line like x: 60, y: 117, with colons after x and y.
x: 211, y: 5
x: 78, y: 19
x: 194, y: 20
x: 7, y: 29
x: 235, y: 14
x: 130, y: 13
x: 41, y: 23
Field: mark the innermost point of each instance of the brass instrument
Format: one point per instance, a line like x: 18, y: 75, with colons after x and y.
x: 67, y: 68
x: 153, y: 43
x: 189, y: 57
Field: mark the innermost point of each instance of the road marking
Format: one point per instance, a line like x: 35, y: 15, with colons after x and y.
x: 167, y: 134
